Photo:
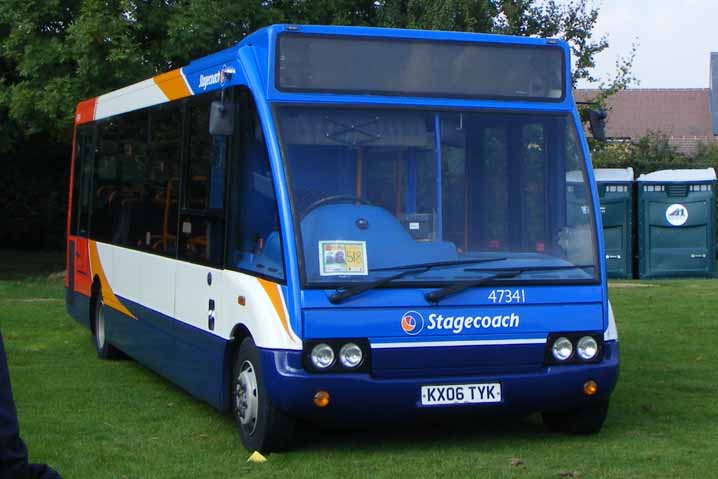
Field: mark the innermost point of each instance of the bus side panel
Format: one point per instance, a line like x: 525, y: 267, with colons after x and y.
x: 82, y: 277
x: 139, y: 291
x: 78, y: 307
x: 185, y: 355
x: 261, y: 306
x: 202, y: 357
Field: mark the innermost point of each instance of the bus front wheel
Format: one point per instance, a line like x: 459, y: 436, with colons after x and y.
x: 103, y: 347
x: 584, y: 420
x: 262, y: 427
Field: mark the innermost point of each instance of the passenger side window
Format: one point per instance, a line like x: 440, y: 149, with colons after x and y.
x: 163, y: 175
x: 202, y: 213
x: 82, y: 181
x: 122, y: 206
x: 255, y: 242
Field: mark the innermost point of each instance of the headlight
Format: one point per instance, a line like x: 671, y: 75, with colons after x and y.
x: 562, y: 348
x: 322, y: 356
x: 587, y: 348
x: 350, y: 355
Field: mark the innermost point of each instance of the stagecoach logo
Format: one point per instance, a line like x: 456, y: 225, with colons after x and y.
x: 412, y: 323
x: 677, y: 214
x: 213, y: 79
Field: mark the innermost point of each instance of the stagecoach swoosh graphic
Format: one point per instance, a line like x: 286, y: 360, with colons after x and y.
x: 108, y: 296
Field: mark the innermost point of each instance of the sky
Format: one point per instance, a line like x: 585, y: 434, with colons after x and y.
x: 674, y: 39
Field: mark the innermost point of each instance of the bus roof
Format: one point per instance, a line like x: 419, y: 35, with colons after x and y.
x: 251, y: 62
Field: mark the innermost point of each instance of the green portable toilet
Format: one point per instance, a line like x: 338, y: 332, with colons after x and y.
x: 676, y: 210
x: 615, y: 192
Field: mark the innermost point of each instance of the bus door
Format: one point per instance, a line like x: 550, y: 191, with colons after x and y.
x: 79, y: 274
x: 198, y: 276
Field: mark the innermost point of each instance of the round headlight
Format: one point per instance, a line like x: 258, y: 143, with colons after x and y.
x: 562, y: 348
x: 350, y: 355
x: 587, y: 348
x: 322, y: 356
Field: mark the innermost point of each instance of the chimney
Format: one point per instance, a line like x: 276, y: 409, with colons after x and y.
x: 714, y: 93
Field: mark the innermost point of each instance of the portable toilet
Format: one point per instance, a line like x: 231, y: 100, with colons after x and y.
x: 676, y: 215
x: 615, y: 191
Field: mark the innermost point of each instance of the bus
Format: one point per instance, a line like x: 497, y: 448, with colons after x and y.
x: 349, y: 224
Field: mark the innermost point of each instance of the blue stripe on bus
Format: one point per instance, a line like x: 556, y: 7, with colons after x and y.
x: 186, y: 355
x: 78, y: 307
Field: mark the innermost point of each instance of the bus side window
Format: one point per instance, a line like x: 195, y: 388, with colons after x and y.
x: 202, y: 213
x: 81, y: 194
x: 255, y: 242
x: 121, y: 212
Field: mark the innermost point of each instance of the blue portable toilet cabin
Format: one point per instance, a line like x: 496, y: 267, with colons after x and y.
x: 615, y: 191
x: 676, y: 217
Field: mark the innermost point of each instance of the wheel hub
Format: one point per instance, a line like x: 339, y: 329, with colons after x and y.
x: 246, y: 397
x: 100, y: 328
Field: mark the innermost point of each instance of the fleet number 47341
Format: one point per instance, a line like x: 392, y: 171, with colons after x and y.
x: 507, y: 296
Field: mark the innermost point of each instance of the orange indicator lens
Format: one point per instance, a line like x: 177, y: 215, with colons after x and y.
x: 321, y: 399
x: 590, y: 387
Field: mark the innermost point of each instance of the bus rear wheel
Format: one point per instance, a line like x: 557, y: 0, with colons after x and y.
x: 585, y: 420
x: 262, y: 427
x: 103, y: 347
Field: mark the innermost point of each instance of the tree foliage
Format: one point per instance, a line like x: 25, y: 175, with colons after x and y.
x: 54, y: 53
x: 57, y: 52
x: 652, y: 152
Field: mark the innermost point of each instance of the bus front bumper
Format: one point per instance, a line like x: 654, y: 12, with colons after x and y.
x: 362, y: 396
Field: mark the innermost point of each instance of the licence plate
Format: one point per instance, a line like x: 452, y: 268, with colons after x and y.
x: 448, y: 394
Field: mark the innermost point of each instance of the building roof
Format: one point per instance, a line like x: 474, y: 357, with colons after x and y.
x: 676, y: 112
x: 682, y: 114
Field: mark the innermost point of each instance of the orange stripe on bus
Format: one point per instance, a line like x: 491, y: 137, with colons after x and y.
x: 108, y: 296
x: 275, y: 296
x: 172, y: 85
x: 85, y: 111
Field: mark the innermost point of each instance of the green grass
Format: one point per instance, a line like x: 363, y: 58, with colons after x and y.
x: 95, y: 419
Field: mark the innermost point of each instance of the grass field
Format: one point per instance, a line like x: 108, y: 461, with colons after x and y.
x: 93, y: 419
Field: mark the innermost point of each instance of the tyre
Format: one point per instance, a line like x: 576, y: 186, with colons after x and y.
x: 262, y: 427
x: 584, y: 420
x: 103, y: 347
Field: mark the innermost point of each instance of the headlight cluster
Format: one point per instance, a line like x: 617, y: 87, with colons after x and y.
x: 564, y: 348
x: 336, y: 355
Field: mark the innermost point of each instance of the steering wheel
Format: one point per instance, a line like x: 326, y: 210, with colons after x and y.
x: 335, y: 199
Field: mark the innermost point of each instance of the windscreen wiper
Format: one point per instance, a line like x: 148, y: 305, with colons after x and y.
x: 418, y: 268
x: 439, y: 294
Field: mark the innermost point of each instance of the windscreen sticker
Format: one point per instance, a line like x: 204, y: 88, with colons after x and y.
x: 339, y: 258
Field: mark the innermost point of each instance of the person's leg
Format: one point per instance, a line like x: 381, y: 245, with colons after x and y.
x: 13, y: 453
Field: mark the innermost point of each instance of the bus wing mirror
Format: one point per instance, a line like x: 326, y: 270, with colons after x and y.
x: 221, y: 118
x: 597, y: 123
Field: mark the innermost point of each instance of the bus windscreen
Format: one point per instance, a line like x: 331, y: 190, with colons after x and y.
x: 410, y: 67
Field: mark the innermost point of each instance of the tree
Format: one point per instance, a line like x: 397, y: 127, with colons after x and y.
x: 57, y: 52
x: 54, y: 53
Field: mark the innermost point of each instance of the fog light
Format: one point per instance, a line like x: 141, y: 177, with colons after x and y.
x: 350, y: 355
x: 590, y: 387
x: 322, y: 356
x: 587, y: 348
x: 321, y: 399
x: 562, y: 348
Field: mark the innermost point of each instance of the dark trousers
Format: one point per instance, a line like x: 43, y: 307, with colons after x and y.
x: 13, y: 453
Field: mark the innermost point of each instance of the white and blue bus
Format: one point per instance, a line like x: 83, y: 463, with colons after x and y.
x: 341, y: 223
